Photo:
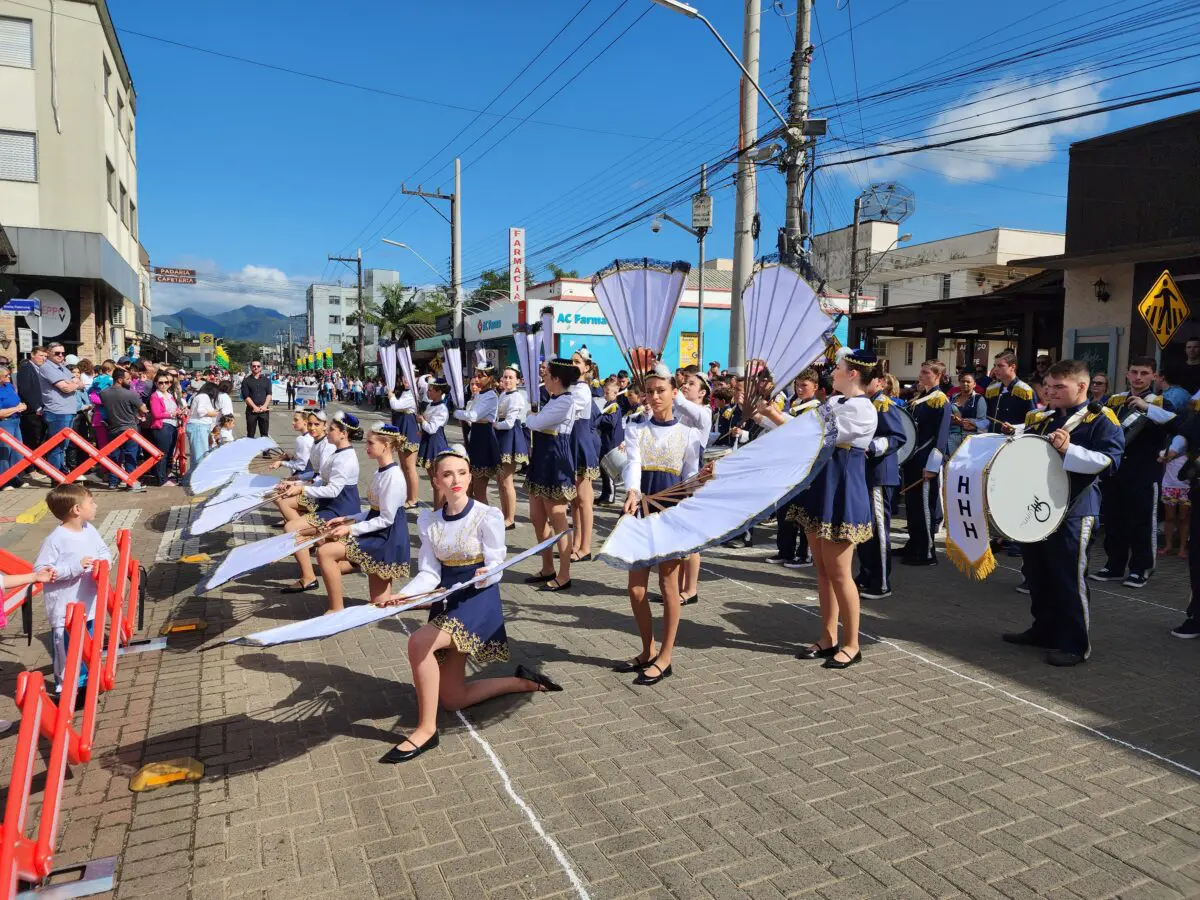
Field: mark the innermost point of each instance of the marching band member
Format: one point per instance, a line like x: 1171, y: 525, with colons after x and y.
x: 923, y: 508
x: 835, y: 511
x: 404, y: 417
x: 459, y: 540
x: 1009, y: 399
x: 298, y: 460
x: 432, y: 423
x: 375, y: 540
x: 968, y: 414
x: 1056, y: 568
x: 693, y: 409
x: 551, y: 479
x: 610, y: 428
x: 1131, y: 493
x: 791, y: 544
x: 316, y: 421
x: 661, y: 454
x: 482, y: 445
x: 586, y: 446
x: 1188, y: 442
x: 511, y: 412
x: 336, y: 494
x: 883, y: 478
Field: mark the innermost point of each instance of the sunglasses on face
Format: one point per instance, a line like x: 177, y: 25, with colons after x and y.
x: 164, y: 382
x: 58, y: 353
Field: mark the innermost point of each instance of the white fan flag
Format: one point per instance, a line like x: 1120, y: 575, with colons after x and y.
x: 407, y: 369
x: 454, y: 373
x: 527, y: 358
x: 784, y: 324
x: 387, y: 365
x: 241, y: 495
x: 639, y: 298
x: 220, y: 466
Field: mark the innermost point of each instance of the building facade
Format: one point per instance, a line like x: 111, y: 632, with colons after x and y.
x: 328, y: 307
x: 68, y: 178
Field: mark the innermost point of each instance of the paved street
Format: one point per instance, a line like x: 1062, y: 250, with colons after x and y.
x: 947, y: 764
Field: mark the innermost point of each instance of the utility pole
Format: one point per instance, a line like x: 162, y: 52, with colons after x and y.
x: 455, y: 222
x: 357, y: 260
x: 743, y: 225
x: 701, y: 222
x: 796, y: 156
x: 852, y: 302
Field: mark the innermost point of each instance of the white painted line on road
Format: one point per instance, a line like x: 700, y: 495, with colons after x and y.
x: 534, y: 821
x: 1062, y: 717
x: 1173, y: 610
x: 115, y: 520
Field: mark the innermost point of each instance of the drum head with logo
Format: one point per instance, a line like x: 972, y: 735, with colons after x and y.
x: 910, y: 438
x: 1027, y: 490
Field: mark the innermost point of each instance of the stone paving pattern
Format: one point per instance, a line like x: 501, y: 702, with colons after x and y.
x: 947, y: 764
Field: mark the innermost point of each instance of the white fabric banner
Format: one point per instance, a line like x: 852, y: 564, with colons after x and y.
x: 750, y: 484
x: 404, y: 358
x: 639, y: 298
x: 387, y: 365
x: 527, y: 357
x: 243, y: 493
x: 784, y: 324
x: 248, y: 557
x: 357, y: 616
x: 454, y: 373
x: 220, y: 466
x: 968, y: 542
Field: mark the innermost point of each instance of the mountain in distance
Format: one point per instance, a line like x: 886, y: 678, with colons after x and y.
x: 246, y: 323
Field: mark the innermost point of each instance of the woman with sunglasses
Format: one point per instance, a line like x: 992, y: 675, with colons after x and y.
x: 1098, y: 388
x: 164, y: 426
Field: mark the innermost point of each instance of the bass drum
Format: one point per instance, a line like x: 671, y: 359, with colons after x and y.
x: 613, y: 463
x: 910, y: 437
x: 1026, y: 489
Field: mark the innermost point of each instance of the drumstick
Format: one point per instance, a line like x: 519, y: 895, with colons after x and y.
x: 913, y: 485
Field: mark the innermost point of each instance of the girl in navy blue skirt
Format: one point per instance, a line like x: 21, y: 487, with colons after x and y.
x: 514, y: 443
x: 433, y: 431
x: 482, y: 445
x: 835, y: 512
x: 374, y: 540
x: 551, y: 479
x: 661, y: 454
x: 459, y: 542
x: 585, y: 444
x: 404, y: 417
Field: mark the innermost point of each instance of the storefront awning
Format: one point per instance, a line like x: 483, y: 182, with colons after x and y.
x: 431, y: 344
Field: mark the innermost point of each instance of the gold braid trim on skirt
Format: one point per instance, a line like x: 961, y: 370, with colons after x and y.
x: 372, y: 566
x: 480, y: 651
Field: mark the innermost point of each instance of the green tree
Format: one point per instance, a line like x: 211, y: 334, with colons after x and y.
x: 560, y: 272
x: 398, y: 310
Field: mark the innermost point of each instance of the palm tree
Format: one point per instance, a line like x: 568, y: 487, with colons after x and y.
x: 399, y: 309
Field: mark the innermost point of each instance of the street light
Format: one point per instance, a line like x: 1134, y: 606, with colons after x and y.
x: 404, y: 246
x: 793, y: 135
x: 904, y: 238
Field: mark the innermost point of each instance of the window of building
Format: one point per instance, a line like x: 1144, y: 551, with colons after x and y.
x: 18, y: 156
x: 123, y: 209
x: 120, y: 114
x: 908, y: 353
x: 133, y: 219
x: 110, y: 182
x: 16, y: 42
x: 334, y: 300
x: 883, y: 296
x: 335, y: 320
x: 946, y: 287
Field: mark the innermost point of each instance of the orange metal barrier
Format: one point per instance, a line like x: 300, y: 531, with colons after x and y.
x: 30, y: 859
x: 96, y: 456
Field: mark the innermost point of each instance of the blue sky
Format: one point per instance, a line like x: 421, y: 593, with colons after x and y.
x: 253, y: 175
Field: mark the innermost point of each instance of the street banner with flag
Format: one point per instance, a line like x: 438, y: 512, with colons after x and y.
x: 221, y: 357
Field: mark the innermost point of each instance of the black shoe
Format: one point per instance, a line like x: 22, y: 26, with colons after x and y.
x: 552, y: 586
x: 777, y: 559
x: 537, y: 678
x: 539, y: 579
x: 816, y: 651
x: 1063, y: 659
x: 1188, y: 630
x: 913, y: 561
x: 1027, y: 639
x: 1023, y: 587
x: 798, y: 563
x: 1135, y: 580
x: 688, y: 601
x: 512, y: 527
x: 1105, y: 574
x: 634, y: 665
x: 834, y: 663
x: 294, y: 589
x: 396, y: 755
x: 873, y: 594
x: 648, y: 680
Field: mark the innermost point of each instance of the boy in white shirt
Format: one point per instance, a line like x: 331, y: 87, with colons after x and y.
x: 70, y: 550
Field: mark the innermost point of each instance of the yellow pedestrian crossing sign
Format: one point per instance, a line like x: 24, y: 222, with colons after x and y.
x: 1164, y: 309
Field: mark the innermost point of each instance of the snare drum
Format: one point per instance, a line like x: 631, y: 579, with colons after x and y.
x: 1026, y: 489
x: 712, y: 454
x: 613, y: 463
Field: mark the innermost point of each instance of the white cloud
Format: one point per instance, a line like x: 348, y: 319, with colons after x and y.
x: 218, y: 290
x: 1010, y: 102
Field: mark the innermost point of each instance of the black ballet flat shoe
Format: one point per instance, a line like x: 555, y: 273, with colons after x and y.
x: 816, y: 651
x: 538, y: 678
x: 688, y: 601
x: 293, y: 589
x: 396, y: 755
x: 552, y: 586
x: 634, y: 666
x: 581, y: 559
x: 539, y: 579
x: 511, y: 527
x: 647, y: 680
x: 834, y: 663
x: 657, y: 598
